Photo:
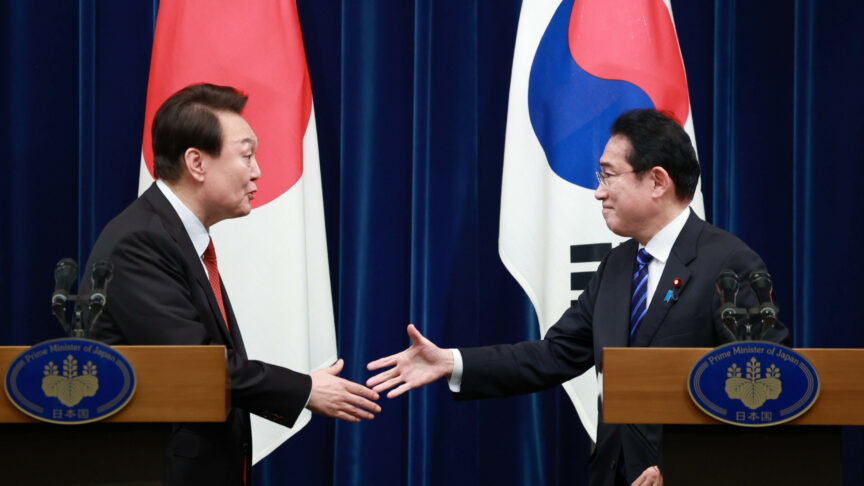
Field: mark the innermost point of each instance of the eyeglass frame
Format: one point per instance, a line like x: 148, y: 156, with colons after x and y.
x: 603, y: 178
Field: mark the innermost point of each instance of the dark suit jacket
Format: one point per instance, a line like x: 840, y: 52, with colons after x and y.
x: 160, y: 294
x: 601, y: 318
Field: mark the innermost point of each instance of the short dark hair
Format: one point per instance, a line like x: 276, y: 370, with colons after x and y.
x: 188, y: 119
x: 658, y: 140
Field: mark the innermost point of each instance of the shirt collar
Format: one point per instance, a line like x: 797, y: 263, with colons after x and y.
x: 661, y: 244
x: 194, y: 227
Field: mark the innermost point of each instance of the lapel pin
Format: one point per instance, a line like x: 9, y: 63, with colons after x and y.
x: 676, y: 285
x: 673, y: 294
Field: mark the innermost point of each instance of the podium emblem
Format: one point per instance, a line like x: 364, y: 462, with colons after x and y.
x: 70, y: 381
x: 71, y: 387
x: 753, y: 384
x: 753, y: 390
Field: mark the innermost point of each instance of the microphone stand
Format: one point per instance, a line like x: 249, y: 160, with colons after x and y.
x: 756, y: 320
x: 96, y: 299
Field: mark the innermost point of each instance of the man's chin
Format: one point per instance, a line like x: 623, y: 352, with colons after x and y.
x: 242, y: 211
x: 610, y: 221
x: 613, y: 227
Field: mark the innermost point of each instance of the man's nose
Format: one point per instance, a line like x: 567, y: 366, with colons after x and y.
x: 601, y: 192
x: 256, y: 171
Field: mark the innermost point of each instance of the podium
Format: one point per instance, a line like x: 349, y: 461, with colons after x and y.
x: 649, y: 386
x: 174, y: 384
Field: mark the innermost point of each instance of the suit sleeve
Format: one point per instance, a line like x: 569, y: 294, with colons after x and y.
x: 152, y: 301
x: 566, y: 351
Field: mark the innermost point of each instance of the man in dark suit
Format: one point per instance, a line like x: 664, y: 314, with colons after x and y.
x: 648, y: 176
x: 166, y: 287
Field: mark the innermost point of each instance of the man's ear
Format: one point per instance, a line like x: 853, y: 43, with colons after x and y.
x: 193, y: 160
x: 662, y: 182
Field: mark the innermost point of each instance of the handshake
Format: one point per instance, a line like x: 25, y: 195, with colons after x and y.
x: 422, y: 363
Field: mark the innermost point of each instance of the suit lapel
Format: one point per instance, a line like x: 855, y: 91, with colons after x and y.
x: 193, y: 261
x: 235, y: 329
x: 619, y: 290
x: 683, y: 252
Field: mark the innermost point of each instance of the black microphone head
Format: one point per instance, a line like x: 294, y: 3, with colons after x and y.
x: 760, y: 276
x: 727, y: 282
x: 762, y: 285
x: 101, y: 275
x: 65, y: 274
x: 727, y: 286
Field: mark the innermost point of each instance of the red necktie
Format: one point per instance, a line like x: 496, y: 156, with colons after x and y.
x: 213, y: 275
x: 209, y: 258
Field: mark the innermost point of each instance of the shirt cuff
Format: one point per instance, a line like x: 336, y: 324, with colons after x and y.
x: 455, y: 381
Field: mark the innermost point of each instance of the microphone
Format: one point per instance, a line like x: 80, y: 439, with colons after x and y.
x: 100, y: 276
x: 727, y: 286
x: 763, y: 286
x: 65, y: 275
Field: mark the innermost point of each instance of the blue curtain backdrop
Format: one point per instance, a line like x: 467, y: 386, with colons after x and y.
x: 411, y: 102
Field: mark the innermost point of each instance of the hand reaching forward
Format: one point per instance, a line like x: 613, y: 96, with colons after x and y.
x: 422, y: 363
x: 339, y: 398
x: 649, y: 477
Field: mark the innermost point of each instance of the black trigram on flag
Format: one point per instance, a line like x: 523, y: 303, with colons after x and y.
x: 592, y: 253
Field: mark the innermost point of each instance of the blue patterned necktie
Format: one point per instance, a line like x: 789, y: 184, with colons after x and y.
x: 638, y: 306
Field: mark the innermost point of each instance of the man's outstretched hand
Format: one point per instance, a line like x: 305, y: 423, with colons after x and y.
x: 649, y: 477
x: 339, y: 398
x: 422, y: 363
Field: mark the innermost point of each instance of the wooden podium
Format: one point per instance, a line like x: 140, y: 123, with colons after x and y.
x: 649, y: 386
x: 174, y: 384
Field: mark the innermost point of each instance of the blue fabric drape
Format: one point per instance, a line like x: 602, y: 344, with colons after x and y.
x: 411, y: 101
x: 420, y: 115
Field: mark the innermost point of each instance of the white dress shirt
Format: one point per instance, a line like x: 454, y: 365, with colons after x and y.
x: 194, y: 227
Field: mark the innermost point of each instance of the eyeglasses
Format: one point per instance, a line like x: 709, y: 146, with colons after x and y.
x: 603, y: 178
